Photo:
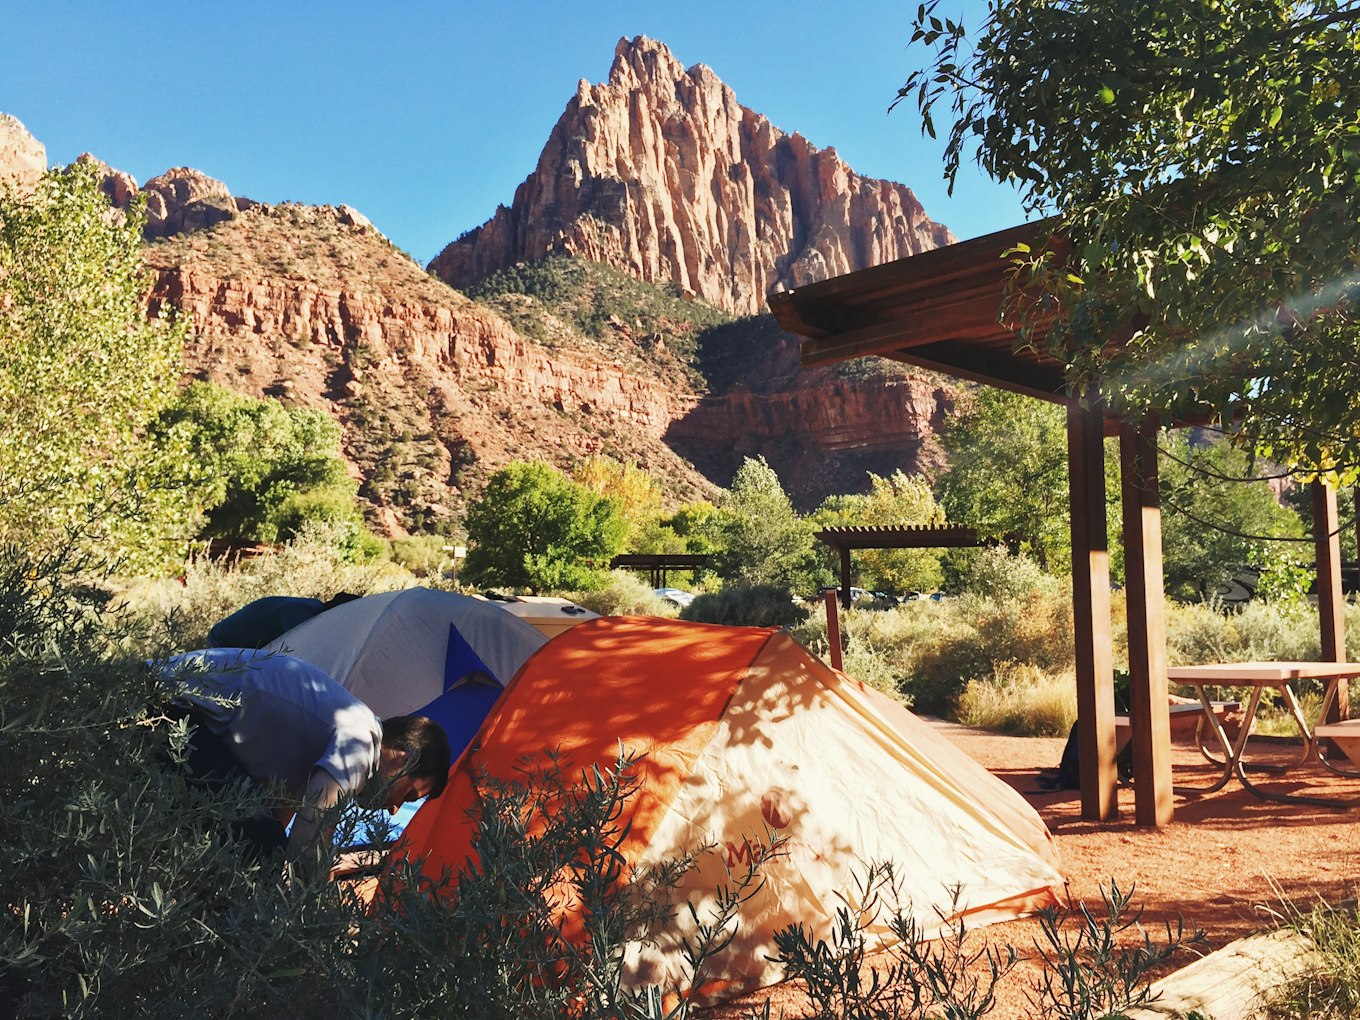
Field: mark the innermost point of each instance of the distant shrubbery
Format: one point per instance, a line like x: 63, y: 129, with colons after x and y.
x: 757, y: 605
x: 312, y: 566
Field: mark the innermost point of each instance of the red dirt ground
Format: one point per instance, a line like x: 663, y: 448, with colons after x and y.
x: 1229, y: 863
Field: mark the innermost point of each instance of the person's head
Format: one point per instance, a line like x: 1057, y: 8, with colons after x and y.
x: 414, y: 761
x: 339, y: 599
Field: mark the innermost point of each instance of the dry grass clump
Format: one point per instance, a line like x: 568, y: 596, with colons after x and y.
x: 1023, y: 700
x: 627, y: 595
x: 309, y: 566
x: 1329, y: 990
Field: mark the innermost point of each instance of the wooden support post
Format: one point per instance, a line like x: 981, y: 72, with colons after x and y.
x: 1091, y: 610
x: 845, y: 576
x: 833, y: 627
x: 1149, y: 718
x: 1331, y: 621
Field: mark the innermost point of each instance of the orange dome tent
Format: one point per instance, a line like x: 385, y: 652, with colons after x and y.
x: 740, y: 731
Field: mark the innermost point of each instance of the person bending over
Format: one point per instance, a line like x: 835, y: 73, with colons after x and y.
x: 288, y: 726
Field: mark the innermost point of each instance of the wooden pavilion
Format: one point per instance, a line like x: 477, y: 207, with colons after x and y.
x: 939, y: 310
x: 892, y: 536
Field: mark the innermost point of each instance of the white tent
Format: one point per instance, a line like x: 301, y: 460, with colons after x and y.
x: 419, y: 651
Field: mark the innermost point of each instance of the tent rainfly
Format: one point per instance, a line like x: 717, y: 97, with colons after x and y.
x: 741, y: 732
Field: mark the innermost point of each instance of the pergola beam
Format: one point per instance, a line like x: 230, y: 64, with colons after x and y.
x: 893, y: 536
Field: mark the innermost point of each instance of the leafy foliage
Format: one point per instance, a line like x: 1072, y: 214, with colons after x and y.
x: 263, y: 470
x: 1088, y: 971
x: 82, y: 371
x: 895, y: 500
x: 915, y: 979
x: 1007, y: 473
x: 1217, y: 520
x: 760, y: 539
x: 533, y: 528
x: 635, y: 493
x: 1201, y: 162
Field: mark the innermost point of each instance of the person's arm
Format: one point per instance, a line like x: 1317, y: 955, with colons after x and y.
x: 323, y: 793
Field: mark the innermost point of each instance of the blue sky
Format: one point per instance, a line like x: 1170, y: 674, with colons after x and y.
x: 424, y: 115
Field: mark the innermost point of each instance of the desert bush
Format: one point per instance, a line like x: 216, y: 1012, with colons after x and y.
x: 499, y: 943
x: 1089, y: 970
x: 1208, y: 632
x: 1023, y: 700
x: 914, y: 978
x: 422, y: 555
x: 994, y: 573
x: 310, y: 566
x: 1088, y: 967
x: 880, y: 647
x: 756, y: 605
x: 123, y: 896
x: 626, y: 595
x: 985, y: 633
x: 928, y: 652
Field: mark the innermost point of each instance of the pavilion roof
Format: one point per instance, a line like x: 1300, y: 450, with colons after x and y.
x: 937, y: 310
x: 900, y: 536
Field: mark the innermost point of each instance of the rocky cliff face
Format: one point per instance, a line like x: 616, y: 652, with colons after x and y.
x: 22, y: 157
x: 434, y: 392
x: 821, y: 429
x: 661, y: 172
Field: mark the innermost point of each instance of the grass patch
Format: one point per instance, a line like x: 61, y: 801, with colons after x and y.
x: 310, y: 566
x: 1330, y: 990
x: 1022, y: 700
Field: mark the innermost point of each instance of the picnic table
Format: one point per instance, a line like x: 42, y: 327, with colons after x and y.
x: 1260, y: 676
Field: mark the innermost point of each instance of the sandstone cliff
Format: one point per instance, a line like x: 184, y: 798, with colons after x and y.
x: 434, y: 392
x: 661, y: 172
x: 22, y: 157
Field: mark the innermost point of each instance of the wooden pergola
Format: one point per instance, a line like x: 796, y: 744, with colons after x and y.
x: 893, y: 536
x: 939, y: 311
x: 658, y: 564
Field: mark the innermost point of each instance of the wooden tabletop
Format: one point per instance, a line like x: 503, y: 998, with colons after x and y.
x: 1260, y: 672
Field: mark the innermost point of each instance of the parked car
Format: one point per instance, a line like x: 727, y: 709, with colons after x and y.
x: 675, y: 596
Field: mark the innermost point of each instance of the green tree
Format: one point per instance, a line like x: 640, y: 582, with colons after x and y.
x: 1201, y: 162
x: 1007, y: 473
x: 262, y: 470
x: 636, y: 493
x: 82, y: 370
x: 1215, y: 521
x: 896, y: 500
x: 760, y: 538
x: 533, y: 528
